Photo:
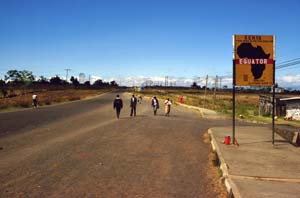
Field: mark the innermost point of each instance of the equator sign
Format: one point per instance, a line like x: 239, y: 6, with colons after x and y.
x: 253, y: 60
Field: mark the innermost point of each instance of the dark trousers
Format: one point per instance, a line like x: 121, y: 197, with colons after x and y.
x: 155, y: 109
x: 133, y: 111
x: 34, y: 103
x: 118, y: 111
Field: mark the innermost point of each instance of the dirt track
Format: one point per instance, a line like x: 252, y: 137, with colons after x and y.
x: 82, y: 150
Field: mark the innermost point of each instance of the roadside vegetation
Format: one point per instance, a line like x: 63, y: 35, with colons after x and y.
x: 18, y: 87
x: 246, y: 108
x: 47, y: 97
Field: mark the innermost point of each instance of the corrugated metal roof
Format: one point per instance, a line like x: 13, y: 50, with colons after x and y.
x: 293, y: 98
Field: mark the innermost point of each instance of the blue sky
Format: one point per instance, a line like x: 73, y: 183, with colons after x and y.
x: 142, y: 39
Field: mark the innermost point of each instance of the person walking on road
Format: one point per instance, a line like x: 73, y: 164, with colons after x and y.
x: 118, y: 105
x: 133, y: 102
x: 167, y: 107
x: 140, y: 99
x: 34, y: 101
x: 155, y: 104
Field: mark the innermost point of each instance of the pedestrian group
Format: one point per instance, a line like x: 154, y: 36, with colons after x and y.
x: 118, y: 105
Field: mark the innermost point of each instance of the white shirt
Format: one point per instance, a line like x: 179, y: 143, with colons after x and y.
x: 154, y: 102
x: 34, y: 97
x: 168, y: 102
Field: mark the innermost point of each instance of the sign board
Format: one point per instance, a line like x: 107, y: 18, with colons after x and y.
x: 253, y: 60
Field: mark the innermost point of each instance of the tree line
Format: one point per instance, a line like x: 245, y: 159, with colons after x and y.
x: 22, y: 79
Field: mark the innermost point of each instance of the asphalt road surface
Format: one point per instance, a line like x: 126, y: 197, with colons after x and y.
x: 80, y: 149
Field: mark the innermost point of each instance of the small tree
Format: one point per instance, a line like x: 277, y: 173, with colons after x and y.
x: 113, y: 83
x: 16, y: 76
x: 56, y: 80
x: 87, y: 83
x: 2, y: 83
x: 195, y: 86
x: 43, y: 80
x: 98, y: 83
x: 74, y: 81
x: 3, y: 88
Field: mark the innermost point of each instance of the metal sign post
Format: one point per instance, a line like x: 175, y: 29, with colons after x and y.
x: 273, y: 114
x: 233, y: 89
x: 273, y: 110
x: 233, y: 114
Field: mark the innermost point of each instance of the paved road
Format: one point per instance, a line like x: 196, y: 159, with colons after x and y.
x: 81, y: 150
x: 27, y: 119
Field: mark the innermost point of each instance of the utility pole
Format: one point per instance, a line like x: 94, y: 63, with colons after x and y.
x: 199, y: 89
x: 67, y: 72
x: 206, y: 79
x: 216, y: 82
x: 166, y: 84
x: 166, y: 81
x: 119, y: 80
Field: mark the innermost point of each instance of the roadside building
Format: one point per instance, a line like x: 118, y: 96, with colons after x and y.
x: 292, y: 108
x: 279, y: 90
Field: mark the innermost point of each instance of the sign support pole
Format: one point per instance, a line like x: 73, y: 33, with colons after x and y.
x: 273, y: 108
x: 233, y: 103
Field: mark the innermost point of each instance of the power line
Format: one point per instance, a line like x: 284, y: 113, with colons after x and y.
x: 295, y: 59
x: 288, y: 64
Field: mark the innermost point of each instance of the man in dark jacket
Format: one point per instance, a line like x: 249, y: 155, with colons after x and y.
x: 118, y: 105
x: 133, y: 102
x: 155, y: 104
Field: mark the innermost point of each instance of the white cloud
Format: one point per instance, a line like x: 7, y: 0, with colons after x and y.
x: 94, y: 78
x: 227, y: 81
x: 290, y: 78
x: 289, y: 81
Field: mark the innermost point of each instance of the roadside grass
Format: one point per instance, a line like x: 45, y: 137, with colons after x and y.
x: 247, y: 104
x: 294, y: 123
x: 47, y: 98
